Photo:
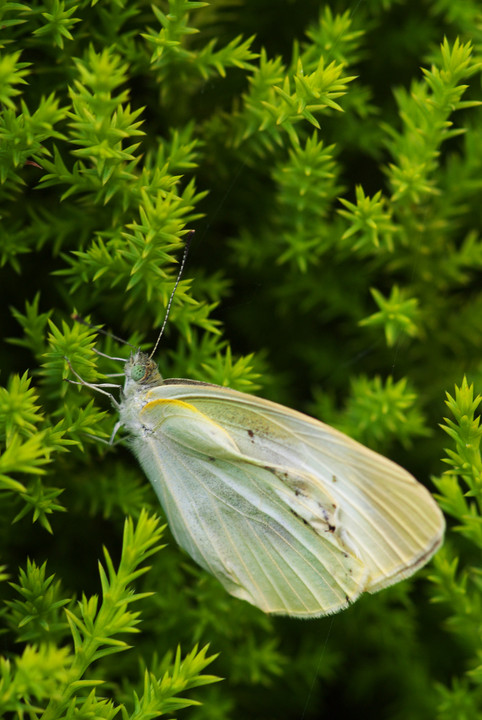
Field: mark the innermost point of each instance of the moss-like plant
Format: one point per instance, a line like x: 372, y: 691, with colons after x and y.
x: 330, y: 161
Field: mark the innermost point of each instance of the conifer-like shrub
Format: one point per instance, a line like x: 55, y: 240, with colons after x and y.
x: 329, y: 158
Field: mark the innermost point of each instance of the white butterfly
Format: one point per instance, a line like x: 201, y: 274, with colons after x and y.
x: 288, y: 513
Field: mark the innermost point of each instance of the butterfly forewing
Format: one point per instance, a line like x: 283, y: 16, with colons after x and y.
x: 286, y: 512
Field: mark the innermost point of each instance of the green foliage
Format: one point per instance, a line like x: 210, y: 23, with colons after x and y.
x: 379, y: 412
x: 59, y: 23
x: 175, y: 62
x: 398, y: 315
x: 36, y: 615
x: 330, y: 163
x: 426, y: 111
x: 466, y: 463
x: 11, y: 73
x: 51, y: 680
x: 458, y: 579
x: 368, y: 222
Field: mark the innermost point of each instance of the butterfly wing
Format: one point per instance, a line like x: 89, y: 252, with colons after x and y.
x: 286, y: 512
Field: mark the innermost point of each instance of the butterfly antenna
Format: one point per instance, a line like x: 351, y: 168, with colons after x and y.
x: 168, y: 309
x: 82, y: 321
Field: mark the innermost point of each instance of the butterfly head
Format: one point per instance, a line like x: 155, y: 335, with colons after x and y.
x: 141, y: 370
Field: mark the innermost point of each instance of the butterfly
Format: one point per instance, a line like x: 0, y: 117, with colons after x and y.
x: 286, y: 512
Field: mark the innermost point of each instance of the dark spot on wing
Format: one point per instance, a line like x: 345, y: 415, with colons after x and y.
x: 251, y: 434
x: 298, y: 517
x: 281, y: 475
x: 334, y: 478
x: 326, y: 518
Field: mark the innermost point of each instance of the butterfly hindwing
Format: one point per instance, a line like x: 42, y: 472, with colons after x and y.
x: 245, y: 521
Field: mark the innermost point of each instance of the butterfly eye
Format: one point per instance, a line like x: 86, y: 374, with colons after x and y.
x: 138, y: 372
